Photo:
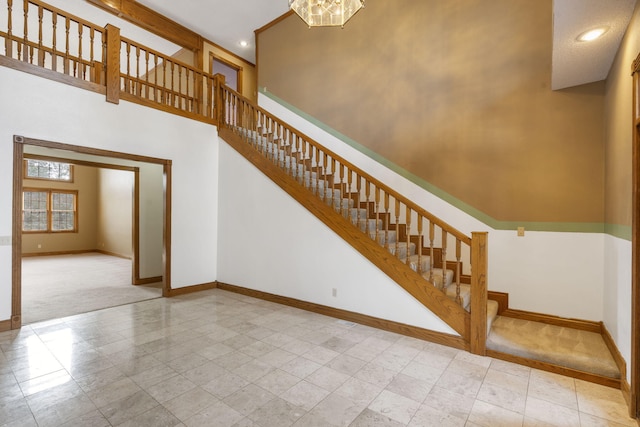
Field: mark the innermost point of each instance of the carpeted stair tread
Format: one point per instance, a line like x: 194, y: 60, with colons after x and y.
x: 424, y: 261
x: 401, y: 250
x: 567, y: 347
x: 435, y: 277
x: 465, y: 294
x: 383, y: 235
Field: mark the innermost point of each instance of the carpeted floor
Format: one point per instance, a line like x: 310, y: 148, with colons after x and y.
x: 64, y: 285
x: 572, y: 348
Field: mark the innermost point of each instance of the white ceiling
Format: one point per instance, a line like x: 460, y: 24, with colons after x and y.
x: 226, y: 23
x: 575, y: 62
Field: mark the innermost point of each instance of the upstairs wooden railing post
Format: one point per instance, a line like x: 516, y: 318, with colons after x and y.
x: 479, y: 267
x: 218, y: 101
x: 112, y: 75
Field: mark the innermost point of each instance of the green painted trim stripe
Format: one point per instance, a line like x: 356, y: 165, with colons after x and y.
x: 620, y: 231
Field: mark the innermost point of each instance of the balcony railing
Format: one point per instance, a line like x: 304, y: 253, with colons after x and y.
x: 50, y: 42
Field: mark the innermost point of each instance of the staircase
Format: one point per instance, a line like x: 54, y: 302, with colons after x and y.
x: 366, y: 217
x: 426, y: 256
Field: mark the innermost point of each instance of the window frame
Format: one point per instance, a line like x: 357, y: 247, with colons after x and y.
x: 43, y: 178
x: 49, y: 209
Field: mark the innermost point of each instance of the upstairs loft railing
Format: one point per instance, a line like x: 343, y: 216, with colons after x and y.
x: 419, y: 249
x: 431, y: 250
x: 41, y: 39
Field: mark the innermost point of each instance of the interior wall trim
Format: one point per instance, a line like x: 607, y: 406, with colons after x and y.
x: 619, y: 231
x: 375, y: 322
x: 5, y: 325
x: 191, y: 289
x: 74, y: 252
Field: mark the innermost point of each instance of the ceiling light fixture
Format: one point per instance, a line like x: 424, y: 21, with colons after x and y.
x: 592, y: 34
x: 244, y: 43
x: 326, y: 13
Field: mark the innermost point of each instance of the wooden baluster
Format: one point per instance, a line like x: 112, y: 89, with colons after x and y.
x: 350, y: 190
x: 25, y: 47
x: 408, y: 223
x: 210, y: 106
x: 128, y: 79
x: 419, y: 245
x: 359, y: 204
x: 367, y: 196
x: 314, y: 161
x: 172, y: 93
x: 40, y: 51
x: 8, y: 43
x: 431, y: 238
x: 54, y: 53
x: 146, y: 74
x: 67, y: 29
x: 92, y: 63
x: 163, y: 86
x: 79, y: 63
x: 325, y: 177
x: 387, y: 220
x: 333, y: 185
x: 92, y: 38
x: 377, y: 208
x: 138, y: 90
x: 180, y: 93
x: 344, y: 209
x: 397, y: 215
x: 187, y: 106
x: 444, y: 259
x: 458, y: 272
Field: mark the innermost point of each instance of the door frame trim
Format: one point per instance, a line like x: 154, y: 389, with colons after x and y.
x: 16, y: 244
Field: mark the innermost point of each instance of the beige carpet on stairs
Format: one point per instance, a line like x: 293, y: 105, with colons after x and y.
x: 571, y: 348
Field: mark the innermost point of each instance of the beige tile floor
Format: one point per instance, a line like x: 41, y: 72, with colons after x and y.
x: 219, y: 359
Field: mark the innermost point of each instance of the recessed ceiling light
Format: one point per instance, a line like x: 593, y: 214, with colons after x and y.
x: 244, y: 43
x: 592, y: 34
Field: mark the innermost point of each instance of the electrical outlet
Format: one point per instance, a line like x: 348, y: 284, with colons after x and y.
x: 520, y: 231
x: 39, y: 246
x: 5, y: 240
x: 334, y: 292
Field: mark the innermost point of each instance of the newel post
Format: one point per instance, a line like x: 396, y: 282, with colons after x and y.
x: 112, y: 59
x: 479, y: 267
x: 218, y: 102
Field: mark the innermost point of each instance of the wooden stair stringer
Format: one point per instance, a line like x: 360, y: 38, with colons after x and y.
x: 430, y: 297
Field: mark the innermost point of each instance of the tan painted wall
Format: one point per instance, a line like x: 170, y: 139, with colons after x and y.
x: 619, y: 128
x: 85, y: 182
x: 457, y: 93
x: 115, y: 212
x: 249, y: 89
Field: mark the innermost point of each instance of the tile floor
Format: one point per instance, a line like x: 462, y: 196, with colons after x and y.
x: 220, y: 359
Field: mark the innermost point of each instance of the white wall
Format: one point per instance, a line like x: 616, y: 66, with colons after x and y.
x: 546, y: 272
x: 38, y: 108
x: 617, y: 296
x: 269, y: 242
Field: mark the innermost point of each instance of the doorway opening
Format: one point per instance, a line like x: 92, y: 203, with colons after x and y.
x: 232, y: 72
x: 149, y: 212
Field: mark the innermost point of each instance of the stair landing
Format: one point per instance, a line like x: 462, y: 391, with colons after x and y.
x: 567, y: 347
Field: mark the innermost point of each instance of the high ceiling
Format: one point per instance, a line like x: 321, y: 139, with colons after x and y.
x: 227, y: 23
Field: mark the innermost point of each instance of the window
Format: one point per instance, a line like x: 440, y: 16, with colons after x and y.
x: 45, y: 211
x: 45, y: 169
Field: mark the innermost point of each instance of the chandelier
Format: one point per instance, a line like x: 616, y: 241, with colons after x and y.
x: 326, y: 13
